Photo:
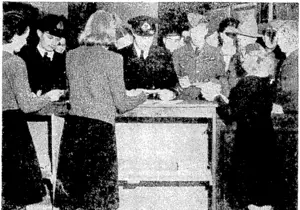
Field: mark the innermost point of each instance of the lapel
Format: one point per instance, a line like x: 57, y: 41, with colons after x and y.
x: 189, y: 51
x: 133, y: 52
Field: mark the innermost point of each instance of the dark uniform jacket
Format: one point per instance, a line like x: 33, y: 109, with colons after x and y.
x: 154, y: 72
x: 46, y: 75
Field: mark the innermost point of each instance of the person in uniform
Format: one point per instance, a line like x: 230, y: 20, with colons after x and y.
x: 197, y: 61
x: 44, y: 65
x: 61, y: 46
x: 146, y: 65
x: 172, y: 40
x: 246, y: 33
x: 269, y: 42
x: 46, y: 70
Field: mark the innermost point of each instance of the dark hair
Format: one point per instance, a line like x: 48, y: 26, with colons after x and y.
x: 28, y: 11
x: 14, y: 23
x: 224, y: 24
x: 228, y: 22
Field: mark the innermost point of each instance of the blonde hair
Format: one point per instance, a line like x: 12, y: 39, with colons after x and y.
x: 98, y: 28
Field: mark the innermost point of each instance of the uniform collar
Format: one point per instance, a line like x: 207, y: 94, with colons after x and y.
x: 42, y: 52
x: 138, y: 51
x: 189, y: 47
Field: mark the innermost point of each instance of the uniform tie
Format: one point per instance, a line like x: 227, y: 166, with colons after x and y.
x: 46, y: 58
x: 197, y: 51
x: 142, y: 54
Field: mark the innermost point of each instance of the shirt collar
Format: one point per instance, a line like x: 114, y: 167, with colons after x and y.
x: 138, y: 51
x: 195, y: 47
x: 42, y: 52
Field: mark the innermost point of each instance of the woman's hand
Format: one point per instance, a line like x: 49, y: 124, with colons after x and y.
x: 55, y: 94
x: 221, y: 100
x: 142, y: 96
x: 184, y: 82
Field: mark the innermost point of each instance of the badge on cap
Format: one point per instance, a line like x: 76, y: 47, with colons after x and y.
x: 146, y: 26
x: 143, y: 25
x: 60, y: 26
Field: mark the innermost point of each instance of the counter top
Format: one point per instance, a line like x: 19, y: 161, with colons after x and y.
x: 177, y: 103
x: 173, y: 109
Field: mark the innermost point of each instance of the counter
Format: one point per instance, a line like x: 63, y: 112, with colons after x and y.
x: 168, y: 150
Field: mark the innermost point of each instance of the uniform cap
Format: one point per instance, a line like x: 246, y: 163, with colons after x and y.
x: 143, y: 25
x: 53, y: 24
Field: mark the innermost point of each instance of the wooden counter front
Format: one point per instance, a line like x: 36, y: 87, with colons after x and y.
x: 172, y: 147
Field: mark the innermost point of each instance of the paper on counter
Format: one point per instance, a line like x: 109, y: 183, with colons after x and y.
x: 159, y: 102
x: 135, y: 92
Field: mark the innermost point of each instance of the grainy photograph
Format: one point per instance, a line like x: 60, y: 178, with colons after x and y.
x: 149, y: 105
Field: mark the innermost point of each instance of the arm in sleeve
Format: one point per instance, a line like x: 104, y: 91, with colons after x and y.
x: 27, y: 101
x: 177, y: 67
x: 172, y: 79
x: 219, y: 65
x: 116, y: 82
x: 236, y: 108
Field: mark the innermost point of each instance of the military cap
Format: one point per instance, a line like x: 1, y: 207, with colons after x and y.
x: 53, y: 24
x: 143, y: 25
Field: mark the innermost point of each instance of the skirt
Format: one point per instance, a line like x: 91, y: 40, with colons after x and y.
x: 87, y: 172
x: 21, y: 176
x: 254, y: 175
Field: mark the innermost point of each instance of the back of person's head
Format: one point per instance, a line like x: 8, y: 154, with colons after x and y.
x: 100, y: 29
x: 30, y: 12
x: 14, y: 23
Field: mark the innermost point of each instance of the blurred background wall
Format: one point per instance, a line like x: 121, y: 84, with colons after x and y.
x: 127, y: 10
x: 79, y: 12
x: 58, y: 8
